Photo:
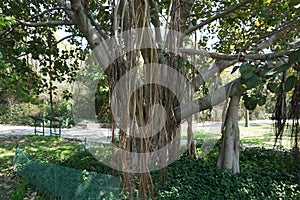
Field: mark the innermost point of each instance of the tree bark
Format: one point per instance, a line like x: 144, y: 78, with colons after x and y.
x: 229, y: 151
x: 247, y: 118
x: 209, y: 101
x: 190, y: 139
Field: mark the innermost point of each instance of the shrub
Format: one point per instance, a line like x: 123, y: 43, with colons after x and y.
x: 62, y: 110
x: 18, y: 114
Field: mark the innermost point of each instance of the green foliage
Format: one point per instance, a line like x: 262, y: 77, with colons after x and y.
x: 290, y: 83
x: 17, y: 82
x: 6, y: 20
x: 254, y: 99
x: 83, y: 160
x: 183, y: 62
x: 272, y: 86
x: 261, y: 99
x: 250, y: 102
x: 48, y: 149
x: 18, y: 114
x: 67, y: 153
x: 31, y: 60
x: 249, y: 23
x: 102, y: 99
x: 248, y: 76
x: 20, y: 191
x: 265, y: 174
x: 293, y: 59
x: 63, y: 110
x: 260, y: 78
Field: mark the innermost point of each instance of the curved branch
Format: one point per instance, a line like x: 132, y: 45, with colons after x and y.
x: 268, y: 56
x: 217, y: 16
x: 62, y: 39
x: 47, y: 23
x: 272, y: 36
x: 231, y: 57
x: 7, y: 31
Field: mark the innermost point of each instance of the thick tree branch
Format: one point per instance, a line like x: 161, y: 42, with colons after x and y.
x: 97, y: 27
x: 9, y: 30
x: 209, y: 101
x: 234, y: 88
x: 231, y: 57
x: 47, y: 23
x: 227, y: 61
x: 211, y: 71
x: 217, y: 16
x: 75, y: 11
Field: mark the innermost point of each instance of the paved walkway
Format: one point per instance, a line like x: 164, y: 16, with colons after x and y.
x: 94, y: 131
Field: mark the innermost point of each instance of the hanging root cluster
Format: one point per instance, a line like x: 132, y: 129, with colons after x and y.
x: 294, y: 115
x: 283, y: 113
x: 280, y: 111
x: 144, y: 130
x: 136, y: 135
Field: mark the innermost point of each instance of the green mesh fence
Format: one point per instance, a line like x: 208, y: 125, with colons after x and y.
x: 66, y: 183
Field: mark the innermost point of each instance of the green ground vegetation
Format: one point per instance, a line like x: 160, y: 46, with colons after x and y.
x: 265, y: 173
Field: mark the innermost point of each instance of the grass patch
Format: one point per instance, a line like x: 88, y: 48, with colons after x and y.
x: 263, y: 135
x: 255, y: 135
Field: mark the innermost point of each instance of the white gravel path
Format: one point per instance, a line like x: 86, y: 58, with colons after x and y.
x: 94, y: 131
x: 90, y: 131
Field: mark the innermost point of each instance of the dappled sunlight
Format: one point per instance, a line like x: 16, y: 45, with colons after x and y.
x: 255, y: 135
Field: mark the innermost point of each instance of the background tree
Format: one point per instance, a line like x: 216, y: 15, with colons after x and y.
x: 36, y: 63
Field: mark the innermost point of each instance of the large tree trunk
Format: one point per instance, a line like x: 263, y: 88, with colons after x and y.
x: 229, y: 152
